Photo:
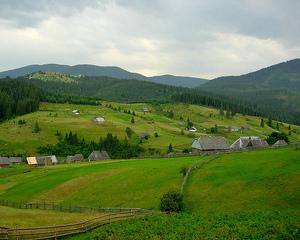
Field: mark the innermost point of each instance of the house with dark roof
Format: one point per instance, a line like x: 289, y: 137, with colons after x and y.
x: 210, y: 143
x: 280, y: 143
x: 75, y: 158
x: 4, y: 162
x: 144, y: 135
x: 98, y: 155
x: 46, y: 160
x: 15, y: 160
x: 249, y: 142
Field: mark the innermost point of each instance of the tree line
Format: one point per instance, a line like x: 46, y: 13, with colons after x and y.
x: 71, y: 144
x: 17, y: 98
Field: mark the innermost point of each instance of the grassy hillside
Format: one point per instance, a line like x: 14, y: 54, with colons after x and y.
x: 263, y: 179
x: 132, y: 183
x: 259, y: 225
x: 251, y: 195
x: 12, y: 217
x: 15, y: 138
x: 258, y: 180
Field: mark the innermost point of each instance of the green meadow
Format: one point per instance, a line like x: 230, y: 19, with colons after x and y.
x: 131, y: 183
x: 20, y: 139
x: 12, y: 217
x: 248, y: 195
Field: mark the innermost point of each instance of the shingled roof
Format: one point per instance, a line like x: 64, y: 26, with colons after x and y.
x: 249, y: 142
x: 4, y: 161
x: 207, y: 143
x: 98, y: 155
x: 75, y: 158
x: 280, y: 143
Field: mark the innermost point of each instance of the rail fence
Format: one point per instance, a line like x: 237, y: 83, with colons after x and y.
x: 68, y: 208
x: 55, y: 232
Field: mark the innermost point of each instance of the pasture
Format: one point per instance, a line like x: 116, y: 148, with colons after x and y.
x: 252, y: 195
x: 18, y: 138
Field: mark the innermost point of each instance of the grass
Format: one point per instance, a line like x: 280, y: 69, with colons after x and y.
x: 264, y: 179
x: 255, y: 225
x: 249, y: 195
x: 19, y: 139
x: 12, y: 217
x: 132, y: 183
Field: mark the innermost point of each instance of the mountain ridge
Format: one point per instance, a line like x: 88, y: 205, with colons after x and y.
x: 109, y: 71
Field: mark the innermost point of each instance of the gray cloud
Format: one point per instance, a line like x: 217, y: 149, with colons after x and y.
x: 195, y: 37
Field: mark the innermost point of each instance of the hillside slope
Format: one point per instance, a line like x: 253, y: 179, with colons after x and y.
x: 20, y: 139
x: 108, y: 71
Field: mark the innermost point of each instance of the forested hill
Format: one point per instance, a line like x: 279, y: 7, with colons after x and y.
x: 17, y: 98
x: 275, y: 88
x: 108, y: 71
x: 61, y: 86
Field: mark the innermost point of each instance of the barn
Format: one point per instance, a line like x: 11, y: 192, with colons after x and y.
x: 249, y: 142
x: 4, y: 162
x: 15, y: 160
x: 75, y: 158
x: 210, y: 143
x: 32, y: 161
x: 280, y: 143
x: 98, y: 155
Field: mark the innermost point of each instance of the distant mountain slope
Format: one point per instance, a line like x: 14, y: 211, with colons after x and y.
x: 109, y: 71
x: 277, y: 87
x: 102, y: 87
x: 190, y: 82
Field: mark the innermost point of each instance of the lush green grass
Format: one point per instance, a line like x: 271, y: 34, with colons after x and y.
x: 264, y: 179
x: 255, y: 225
x: 16, y: 138
x: 12, y: 217
x: 132, y: 183
x: 250, y: 195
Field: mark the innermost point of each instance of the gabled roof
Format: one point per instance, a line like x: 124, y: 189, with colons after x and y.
x: 210, y: 143
x: 280, y: 143
x: 249, y: 142
x: 98, y: 155
x: 31, y: 160
x: 75, y: 158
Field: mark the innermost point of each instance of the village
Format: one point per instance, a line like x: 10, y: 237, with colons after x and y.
x: 202, y: 145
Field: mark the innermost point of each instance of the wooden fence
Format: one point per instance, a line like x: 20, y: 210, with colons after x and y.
x: 68, y: 208
x: 54, y: 232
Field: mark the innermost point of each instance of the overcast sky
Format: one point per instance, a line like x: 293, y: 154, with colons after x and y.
x: 203, y: 38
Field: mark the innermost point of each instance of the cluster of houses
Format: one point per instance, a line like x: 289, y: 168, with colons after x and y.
x: 219, y: 143
x: 52, y: 160
x: 6, y: 161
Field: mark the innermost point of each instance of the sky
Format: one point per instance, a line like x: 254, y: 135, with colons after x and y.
x: 201, y: 38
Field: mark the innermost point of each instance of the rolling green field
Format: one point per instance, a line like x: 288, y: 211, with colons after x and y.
x: 131, y: 183
x: 249, y: 195
x: 12, y: 217
x: 262, y: 179
x: 20, y: 139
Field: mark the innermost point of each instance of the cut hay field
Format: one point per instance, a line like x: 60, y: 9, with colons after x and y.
x: 20, y: 139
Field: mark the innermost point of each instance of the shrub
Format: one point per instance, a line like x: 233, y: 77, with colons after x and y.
x: 183, y: 170
x: 275, y: 136
x: 172, y: 201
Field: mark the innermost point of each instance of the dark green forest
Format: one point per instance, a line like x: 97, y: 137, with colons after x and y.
x: 275, y: 90
x: 17, y: 98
